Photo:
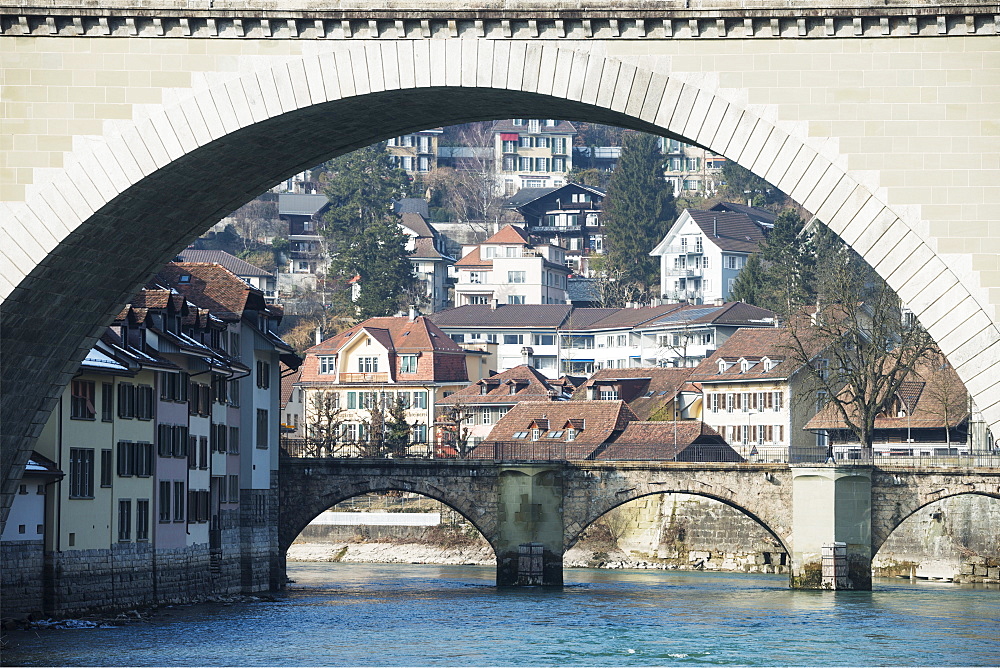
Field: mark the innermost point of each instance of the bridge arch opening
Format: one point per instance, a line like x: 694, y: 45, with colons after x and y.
x: 680, y: 529
x: 459, y: 529
x: 133, y: 197
x: 941, y: 538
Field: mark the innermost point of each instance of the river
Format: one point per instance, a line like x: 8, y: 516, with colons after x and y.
x: 420, y: 615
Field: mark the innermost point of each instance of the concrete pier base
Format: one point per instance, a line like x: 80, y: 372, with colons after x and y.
x: 529, y: 542
x: 831, y: 527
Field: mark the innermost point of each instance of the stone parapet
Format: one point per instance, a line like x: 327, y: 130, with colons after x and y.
x: 533, y: 20
x: 22, y: 561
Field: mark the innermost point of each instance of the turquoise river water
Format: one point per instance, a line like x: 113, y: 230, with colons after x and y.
x: 406, y: 615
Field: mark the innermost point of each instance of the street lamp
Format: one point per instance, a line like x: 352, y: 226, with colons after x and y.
x: 752, y: 450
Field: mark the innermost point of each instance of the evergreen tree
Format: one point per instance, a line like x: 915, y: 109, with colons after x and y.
x: 751, y: 284
x: 366, y: 243
x: 639, y: 209
x: 397, y: 430
x: 781, y: 275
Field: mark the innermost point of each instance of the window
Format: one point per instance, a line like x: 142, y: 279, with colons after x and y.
x: 515, y: 299
x: 524, y: 164
x: 732, y: 261
x: 126, y: 401
x: 263, y: 375
x: 262, y: 428
x: 164, y: 501
x: 478, y: 299
x: 234, y: 488
x: 571, y: 434
x: 106, y: 473
x: 234, y: 393
x: 144, y: 402
x: 82, y: 400
x: 513, y: 339
x: 487, y: 416
x: 352, y: 399
x: 536, y: 434
x: 418, y: 433
x: 420, y: 400
x: 124, y: 519
x: 554, y: 434
x: 777, y: 401
x: 142, y: 519
x: 821, y: 398
x: 135, y: 459
x: 178, y: 501
x: 408, y: 364
x: 107, y: 402
x: 544, y: 339
x: 192, y: 452
x: 609, y: 395
x: 326, y: 364
x: 81, y: 473
x: 520, y: 434
x: 367, y: 364
x: 234, y: 440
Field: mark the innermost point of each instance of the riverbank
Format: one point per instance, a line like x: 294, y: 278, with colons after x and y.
x: 480, y: 554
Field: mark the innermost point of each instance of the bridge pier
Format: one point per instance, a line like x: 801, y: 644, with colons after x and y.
x: 831, y: 527
x: 529, y: 531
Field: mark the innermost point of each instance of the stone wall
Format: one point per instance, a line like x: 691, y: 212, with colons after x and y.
x: 947, y: 539
x: 20, y: 577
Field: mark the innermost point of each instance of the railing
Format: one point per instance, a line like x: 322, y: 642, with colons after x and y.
x: 556, y: 228
x: 364, y: 378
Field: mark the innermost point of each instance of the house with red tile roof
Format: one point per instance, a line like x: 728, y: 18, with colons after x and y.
x: 508, y: 268
x: 757, y: 396
x: 652, y: 393
x: 928, y: 416
x: 365, y: 369
x: 474, y: 410
x: 598, y: 430
x: 704, y: 251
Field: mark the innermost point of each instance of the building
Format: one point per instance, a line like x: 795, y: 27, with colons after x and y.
x: 651, y: 393
x: 758, y: 398
x: 598, y: 430
x: 167, y: 435
x: 928, y: 416
x: 353, y: 378
x: 255, y: 277
x: 428, y: 254
x: 508, y: 268
x: 307, y: 249
x: 688, y: 169
x: 475, y: 409
x: 567, y: 216
x: 533, y: 153
x: 417, y: 152
x: 561, y: 339
x: 703, y: 253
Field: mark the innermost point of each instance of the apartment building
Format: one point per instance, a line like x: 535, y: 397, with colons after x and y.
x: 349, y: 378
x: 428, y: 254
x: 508, y: 268
x: 567, y: 216
x: 703, y: 253
x: 417, y: 152
x: 533, y: 153
x: 560, y: 339
x: 757, y: 398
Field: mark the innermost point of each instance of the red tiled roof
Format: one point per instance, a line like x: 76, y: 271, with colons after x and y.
x: 685, y: 440
x: 646, y: 390
x: 396, y: 333
x: 212, y: 286
x: 752, y: 344
x: 473, y: 259
x: 528, y: 383
x: 509, y: 234
x: 601, y: 420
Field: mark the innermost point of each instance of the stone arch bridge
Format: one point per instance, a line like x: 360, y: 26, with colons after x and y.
x: 129, y: 128
x: 549, y: 504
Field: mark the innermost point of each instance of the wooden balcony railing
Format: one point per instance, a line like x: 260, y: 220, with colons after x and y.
x: 364, y: 377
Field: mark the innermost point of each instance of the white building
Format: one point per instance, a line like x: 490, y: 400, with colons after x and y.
x: 533, y: 153
x: 508, y: 269
x: 703, y: 253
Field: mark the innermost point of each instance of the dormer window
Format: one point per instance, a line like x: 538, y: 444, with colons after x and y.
x: 745, y: 365
x: 571, y: 434
x: 184, y: 278
x: 536, y: 434
x: 723, y: 365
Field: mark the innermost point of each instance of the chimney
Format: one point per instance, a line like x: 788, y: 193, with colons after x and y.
x: 494, y: 303
x: 412, y: 314
x: 715, y: 226
x: 319, y: 335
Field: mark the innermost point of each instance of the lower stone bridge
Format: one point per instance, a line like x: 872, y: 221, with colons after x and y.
x: 531, y: 513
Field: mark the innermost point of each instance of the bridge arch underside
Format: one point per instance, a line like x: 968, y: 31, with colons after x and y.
x: 86, y: 235
x: 576, y: 527
x: 886, y: 518
x: 296, y: 513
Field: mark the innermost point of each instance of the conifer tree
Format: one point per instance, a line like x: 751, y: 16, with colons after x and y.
x: 639, y: 209
x: 366, y: 244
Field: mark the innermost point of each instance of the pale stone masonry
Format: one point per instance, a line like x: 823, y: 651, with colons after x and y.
x: 881, y: 121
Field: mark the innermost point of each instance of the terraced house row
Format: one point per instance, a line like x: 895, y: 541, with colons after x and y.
x: 154, y: 480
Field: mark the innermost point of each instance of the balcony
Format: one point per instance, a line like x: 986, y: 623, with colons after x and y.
x: 690, y: 272
x: 556, y: 229
x: 581, y: 206
x: 364, y: 378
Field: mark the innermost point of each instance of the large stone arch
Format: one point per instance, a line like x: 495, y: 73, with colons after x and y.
x: 303, y: 496
x: 89, y: 233
x: 903, y: 494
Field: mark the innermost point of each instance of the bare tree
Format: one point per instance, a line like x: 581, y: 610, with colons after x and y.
x: 324, y: 419
x: 614, y: 292
x: 857, y: 345
x: 257, y: 222
x: 453, y: 431
x: 949, y: 400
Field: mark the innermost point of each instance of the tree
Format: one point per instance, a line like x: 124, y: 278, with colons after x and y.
x: 367, y: 248
x: 949, y: 398
x: 453, y: 430
x: 590, y: 177
x: 856, y: 345
x: 639, y: 209
x: 614, y: 292
x: 397, y: 430
x: 781, y: 275
x: 741, y: 185
x: 751, y: 285
x: 324, y: 418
